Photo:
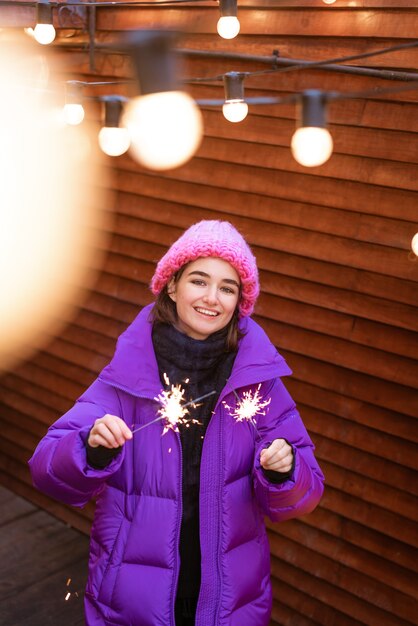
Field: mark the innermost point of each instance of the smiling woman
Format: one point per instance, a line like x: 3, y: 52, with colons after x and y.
x: 180, y: 518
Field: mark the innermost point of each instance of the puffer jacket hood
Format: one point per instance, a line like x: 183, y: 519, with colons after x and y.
x: 134, y: 556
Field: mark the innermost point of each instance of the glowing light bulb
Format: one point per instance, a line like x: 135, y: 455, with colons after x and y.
x: 311, y: 146
x: 328, y: 1
x: 414, y: 244
x: 114, y: 141
x: 165, y: 129
x: 73, y: 114
x: 235, y: 110
x: 44, y: 33
x: 228, y: 26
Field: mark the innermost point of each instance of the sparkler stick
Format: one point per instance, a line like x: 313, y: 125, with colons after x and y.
x: 193, y: 402
x: 157, y: 419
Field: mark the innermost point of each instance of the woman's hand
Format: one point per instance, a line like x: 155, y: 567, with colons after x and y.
x: 278, y: 457
x: 110, y: 432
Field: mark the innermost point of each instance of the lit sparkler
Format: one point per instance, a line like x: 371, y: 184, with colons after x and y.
x: 248, y: 406
x: 173, y: 410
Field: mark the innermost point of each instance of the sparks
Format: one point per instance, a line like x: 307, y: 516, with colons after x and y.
x: 248, y: 406
x: 173, y: 410
x: 67, y: 596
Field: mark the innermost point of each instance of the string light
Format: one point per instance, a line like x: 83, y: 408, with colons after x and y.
x: 44, y: 32
x: 414, y: 244
x: 312, y: 143
x: 228, y: 25
x: 235, y: 108
x: 164, y: 123
x: 114, y: 139
x: 73, y: 109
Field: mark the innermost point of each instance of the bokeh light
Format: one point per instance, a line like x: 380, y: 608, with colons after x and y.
x: 51, y: 225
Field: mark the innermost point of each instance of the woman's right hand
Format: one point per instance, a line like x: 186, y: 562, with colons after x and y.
x: 110, y: 432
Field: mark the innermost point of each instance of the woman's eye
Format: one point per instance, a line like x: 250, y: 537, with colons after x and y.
x: 228, y: 290
x: 197, y: 281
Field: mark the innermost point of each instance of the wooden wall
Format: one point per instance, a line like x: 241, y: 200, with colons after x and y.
x: 338, y: 292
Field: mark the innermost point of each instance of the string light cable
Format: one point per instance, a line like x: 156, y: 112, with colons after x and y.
x: 297, y: 64
x: 271, y: 100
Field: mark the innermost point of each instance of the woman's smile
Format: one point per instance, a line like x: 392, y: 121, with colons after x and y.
x: 206, y: 312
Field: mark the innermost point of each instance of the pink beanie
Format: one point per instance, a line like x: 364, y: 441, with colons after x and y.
x: 217, y: 239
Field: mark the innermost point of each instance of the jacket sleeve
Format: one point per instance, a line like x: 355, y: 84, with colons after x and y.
x: 59, y: 464
x: 302, y: 491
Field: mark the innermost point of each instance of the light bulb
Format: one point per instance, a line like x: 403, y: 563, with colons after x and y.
x: 235, y: 110
x: 44, y: 33
x: 228, y: 26
x: 414, y: 244
x: 114, y: 141
x: 46, y: 255
x: 73, y: 114
x: 328, y: 1
x: 311, y: 146
x: 165, y: 128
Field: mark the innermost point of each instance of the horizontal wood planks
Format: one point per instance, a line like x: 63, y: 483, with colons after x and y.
x: 339, y: 292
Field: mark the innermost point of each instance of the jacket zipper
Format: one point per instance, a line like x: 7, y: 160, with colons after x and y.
x: 178, y: 528
x: 221, y: 440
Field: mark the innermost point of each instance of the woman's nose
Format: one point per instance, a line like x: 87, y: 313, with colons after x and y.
x: 211, y: 295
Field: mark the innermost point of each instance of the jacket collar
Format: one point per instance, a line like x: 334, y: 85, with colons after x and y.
x: 134, y: 369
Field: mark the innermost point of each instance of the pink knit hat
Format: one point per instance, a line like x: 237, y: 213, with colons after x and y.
x: 217, y: 239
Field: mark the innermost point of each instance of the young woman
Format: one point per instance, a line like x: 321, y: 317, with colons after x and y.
x: 178, y: 536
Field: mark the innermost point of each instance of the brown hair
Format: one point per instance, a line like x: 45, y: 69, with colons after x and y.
x: 165, y: 312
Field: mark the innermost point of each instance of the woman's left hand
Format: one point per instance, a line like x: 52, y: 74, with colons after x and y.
x: 278, y: 456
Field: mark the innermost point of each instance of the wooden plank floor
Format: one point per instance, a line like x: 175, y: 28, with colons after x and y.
x: 38, y: 556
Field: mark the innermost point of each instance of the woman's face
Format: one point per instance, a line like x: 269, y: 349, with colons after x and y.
x: 206, y: 296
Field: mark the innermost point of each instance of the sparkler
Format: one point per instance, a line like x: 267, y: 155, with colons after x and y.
x: 248, y: 406
x: 173, y: 410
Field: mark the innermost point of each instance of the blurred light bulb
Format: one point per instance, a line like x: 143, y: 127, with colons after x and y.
x: 165, y: 128
x: 328, y: 1
x: 46, y: 255
x: 311, y: 146
x: 73, y: 114
x: 235, y: 110
x: 44, y: 33
x: 114, y: 141
x: 228, y: 26
x: 414, y: 244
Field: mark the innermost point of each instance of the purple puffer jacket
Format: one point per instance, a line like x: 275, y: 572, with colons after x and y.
x: 134, y: 554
